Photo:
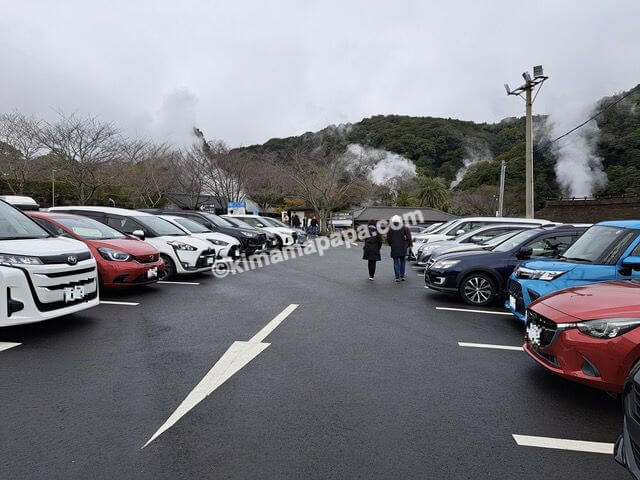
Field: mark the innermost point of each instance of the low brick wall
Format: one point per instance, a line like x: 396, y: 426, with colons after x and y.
x: 590, y: 211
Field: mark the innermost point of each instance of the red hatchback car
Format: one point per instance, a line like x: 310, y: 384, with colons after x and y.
x: 587, y: 334
x: 122, y: 261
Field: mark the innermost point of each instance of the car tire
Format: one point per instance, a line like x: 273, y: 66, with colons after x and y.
x: 169, y: 270
x: 478, y: 289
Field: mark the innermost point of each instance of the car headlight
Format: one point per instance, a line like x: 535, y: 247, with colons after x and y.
x: 444, y: 264
x: 608, y: 327
x: 249, y: 234
x: 19, y: 259
x: 528, y: 273
x: 220, y: 243
x: 181, y: 246
x: 114, y: 255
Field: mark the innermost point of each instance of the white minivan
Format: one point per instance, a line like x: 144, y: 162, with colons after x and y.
x: 41, y: 276
x: 181, y: 253
x: 227, y: 248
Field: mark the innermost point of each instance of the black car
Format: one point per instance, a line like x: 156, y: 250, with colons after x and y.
x: 272, y: 240
x: 627, y: 449
x: 479, y: 277
x: 251, y: 241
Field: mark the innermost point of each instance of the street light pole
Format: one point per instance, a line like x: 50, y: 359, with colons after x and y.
x: 503, y: 168
x: 527, y: 88
x: 53, y: 187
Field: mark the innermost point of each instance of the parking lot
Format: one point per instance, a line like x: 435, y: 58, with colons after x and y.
x: 360, y: 380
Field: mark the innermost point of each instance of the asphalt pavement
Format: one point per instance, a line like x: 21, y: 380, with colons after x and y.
x: 360, y: 380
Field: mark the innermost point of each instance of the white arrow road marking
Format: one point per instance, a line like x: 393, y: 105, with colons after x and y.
x: 237, y: 356
x: 488, y: 345
x: 8, y: 345
x: 113, y: 302
x: 167, y: 282
x: 562, y: 444
x: 473, y: 311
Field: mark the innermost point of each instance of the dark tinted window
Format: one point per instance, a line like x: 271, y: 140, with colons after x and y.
x: 551, y: 246
x: 123, y: 224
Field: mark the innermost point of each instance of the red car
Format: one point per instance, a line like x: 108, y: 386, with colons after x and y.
x: 122, y: 260
x: 587, y: 334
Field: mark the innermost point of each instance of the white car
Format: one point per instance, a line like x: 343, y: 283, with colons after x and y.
x: 181, y: 253
x: 41, y: 276
x: 227, y: 248
x: 453, y: 228
x: 285, y: 235
x: 298, y: 234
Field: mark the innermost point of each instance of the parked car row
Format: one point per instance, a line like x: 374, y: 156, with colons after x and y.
x: 55, y: 262
x: 576, y: 288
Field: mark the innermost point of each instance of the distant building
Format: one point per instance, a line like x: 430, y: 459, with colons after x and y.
x: 590, y: 210
x: 430, y: 215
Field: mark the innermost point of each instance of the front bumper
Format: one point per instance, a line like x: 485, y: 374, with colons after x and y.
x: 126, y: 274
x: 195, y: 261
x: 39, y: 292
x: 441, y: 280
x: 518, y: 298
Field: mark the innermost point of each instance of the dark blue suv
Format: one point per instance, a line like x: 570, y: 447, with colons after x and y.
x: 480, y: 277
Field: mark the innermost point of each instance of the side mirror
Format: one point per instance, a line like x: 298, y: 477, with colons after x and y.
x: 525, y: 252
x: 632, y: 263
x: 477, y: 239
x: 460, y: 232
x: 138, y: 233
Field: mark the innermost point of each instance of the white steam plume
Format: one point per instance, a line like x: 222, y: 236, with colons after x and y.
x: 473, y: 156
x: 578, y: 169
x: 385, y: 165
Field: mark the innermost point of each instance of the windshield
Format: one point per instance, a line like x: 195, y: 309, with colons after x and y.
x: 218, y: 221
x: 274, y: 223
x: 159, y: 225
x: 514, y: 241
x: 239, y: 223
x: 499, y: 239
x: 89, y: 229
x: 253, y: 221
x: 15, y: 225
x: 595, y: 242
x: 191, y: 226
x: 441, y: 227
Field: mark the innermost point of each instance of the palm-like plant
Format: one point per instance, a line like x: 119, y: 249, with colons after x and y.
x: 433, y: 192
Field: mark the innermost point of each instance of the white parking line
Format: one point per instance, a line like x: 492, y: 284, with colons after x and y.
x: 113, y: 302
x: 562, y: 444
x: 473, y: 311
x: 8, y: 345
x: 167, y: 282
x: 488, y: 345
x: 237, y: 356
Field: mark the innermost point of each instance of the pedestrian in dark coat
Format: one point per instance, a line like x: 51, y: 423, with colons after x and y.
x: 399, y: 239
x: 371, y: 249
x: 295, y: 221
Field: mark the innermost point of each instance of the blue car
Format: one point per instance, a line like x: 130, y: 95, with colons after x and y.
x: 606, y: 251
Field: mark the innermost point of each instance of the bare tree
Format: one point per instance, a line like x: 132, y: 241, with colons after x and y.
x: 187, y: 175
x: 19, y: 134
x: 84, y: 147
x: 149, y: 171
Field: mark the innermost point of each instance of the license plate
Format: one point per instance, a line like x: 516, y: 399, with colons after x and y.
x: 73, y: 293
x: 533, y: 334
x: 152, y: 272
x: 512, y: 302
x: 210, y: 261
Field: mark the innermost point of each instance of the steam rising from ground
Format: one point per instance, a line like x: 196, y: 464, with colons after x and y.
x: 578, y: 169
x: 473, y: 156
x: 385, y: 165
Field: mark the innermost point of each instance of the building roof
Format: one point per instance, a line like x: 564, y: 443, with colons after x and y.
x: 430, y: 215
x: 592, y: 210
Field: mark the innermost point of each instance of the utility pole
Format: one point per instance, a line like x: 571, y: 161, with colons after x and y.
x: 527, y: 88
x: 53, y: 187
x: 503, y: 168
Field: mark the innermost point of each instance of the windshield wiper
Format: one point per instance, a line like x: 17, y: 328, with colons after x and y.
x: 576, y: 259
x: 22, y: 238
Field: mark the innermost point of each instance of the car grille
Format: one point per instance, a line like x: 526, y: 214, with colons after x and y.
x: 64, y: 258
x: 148, y: 258
x: 515, y: 290
x: 548, y: 327
x: 48, y: 286
x: 202, y: 259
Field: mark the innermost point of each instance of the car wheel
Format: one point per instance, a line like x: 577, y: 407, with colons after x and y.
x: 169, y: 268
x: 478, y: 289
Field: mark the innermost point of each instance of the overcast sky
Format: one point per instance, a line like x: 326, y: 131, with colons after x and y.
x: 247, y: 71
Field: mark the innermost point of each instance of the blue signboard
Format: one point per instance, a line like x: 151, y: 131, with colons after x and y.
x: 236, y: 205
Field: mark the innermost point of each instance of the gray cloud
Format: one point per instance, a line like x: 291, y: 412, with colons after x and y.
x: 249, y: 71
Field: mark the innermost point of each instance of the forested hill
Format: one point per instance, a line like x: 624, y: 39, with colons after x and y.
x: 442, y: 146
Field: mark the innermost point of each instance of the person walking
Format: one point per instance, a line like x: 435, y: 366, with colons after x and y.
x: 371, y: 248
x: 295, y: 221
x: 399, y: 239
x: 314, y: 226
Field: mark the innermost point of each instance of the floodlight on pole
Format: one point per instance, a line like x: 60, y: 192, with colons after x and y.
x: 527, y: 89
